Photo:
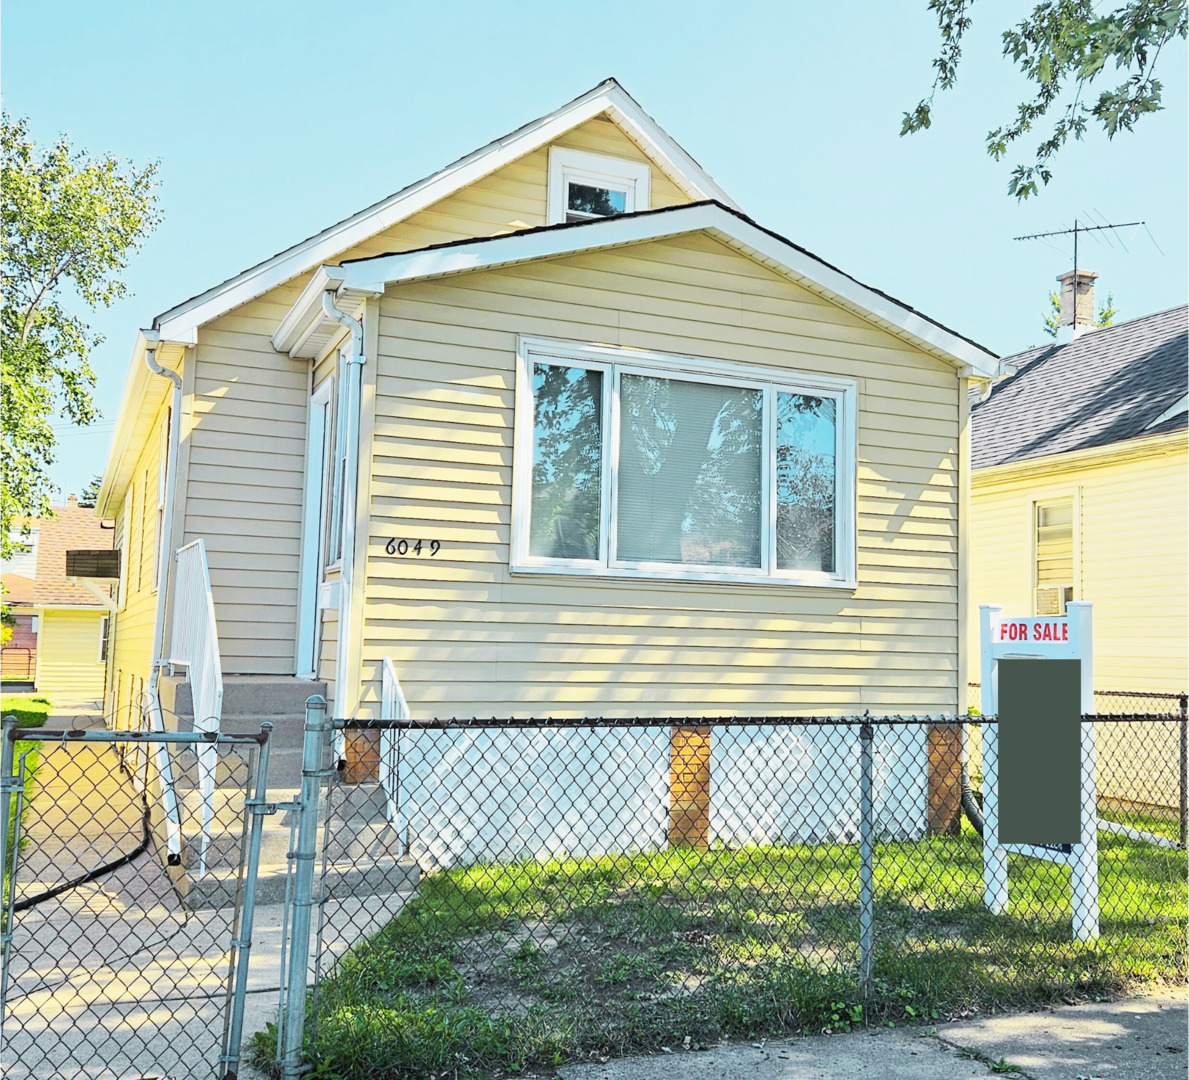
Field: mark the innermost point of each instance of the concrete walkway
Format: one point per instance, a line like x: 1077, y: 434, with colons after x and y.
x: 1140, y: 1038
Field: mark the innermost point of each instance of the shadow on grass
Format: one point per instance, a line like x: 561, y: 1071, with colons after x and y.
x: 498, y: 968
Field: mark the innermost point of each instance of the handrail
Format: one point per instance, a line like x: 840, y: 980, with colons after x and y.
x: 195, y: 643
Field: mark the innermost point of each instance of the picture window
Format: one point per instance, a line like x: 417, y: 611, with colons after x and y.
x: 629, y: 465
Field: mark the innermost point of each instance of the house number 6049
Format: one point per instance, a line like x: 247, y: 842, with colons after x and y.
x: 413, y: 547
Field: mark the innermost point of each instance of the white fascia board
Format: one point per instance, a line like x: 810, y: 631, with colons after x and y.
x: 1175, y: 409
x: 136, y: 386
x: 374, y: 274
x: 300, y: 319
x: 181, y: 323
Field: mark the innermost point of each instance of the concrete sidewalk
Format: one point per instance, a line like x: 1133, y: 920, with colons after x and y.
x: 1140, y: 1038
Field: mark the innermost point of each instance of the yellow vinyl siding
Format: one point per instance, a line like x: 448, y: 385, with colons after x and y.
x: 1131, y: 518
x: 468, y: 637
x: 1134, y: 515
x: 68, y: 653
x: 248, y: 411
x: 130, y: 654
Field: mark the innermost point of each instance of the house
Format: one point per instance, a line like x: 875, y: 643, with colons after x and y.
x: 61, y: 636
x: 1079, y: 492
x: 556, y: 430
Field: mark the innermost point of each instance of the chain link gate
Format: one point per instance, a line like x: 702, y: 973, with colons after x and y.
x: 121, y: 956
x: 482, y: 896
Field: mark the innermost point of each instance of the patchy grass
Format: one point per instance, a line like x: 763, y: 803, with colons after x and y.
x: 520, y: 968
x: 30, y: 710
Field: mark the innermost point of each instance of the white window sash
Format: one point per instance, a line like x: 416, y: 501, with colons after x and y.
x: 633, y: 178
x: 614, y: 362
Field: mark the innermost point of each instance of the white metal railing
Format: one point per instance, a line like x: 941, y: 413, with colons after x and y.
x: 393, y: 706
x: 195, y: 644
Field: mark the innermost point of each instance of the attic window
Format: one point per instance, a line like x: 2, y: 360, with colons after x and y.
x: 584, y: 187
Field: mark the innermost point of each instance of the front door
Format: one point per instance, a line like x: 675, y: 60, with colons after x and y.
x: 314, y: 528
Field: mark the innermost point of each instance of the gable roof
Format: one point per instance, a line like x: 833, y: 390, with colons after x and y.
x: 306, y: 331
x: 74, y: 528
x: 174, y: 330
x: 1121, y: 382
x: 180, y: 323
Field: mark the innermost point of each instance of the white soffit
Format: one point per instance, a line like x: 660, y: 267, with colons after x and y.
x: 373, y: 275
x: 181, y: 323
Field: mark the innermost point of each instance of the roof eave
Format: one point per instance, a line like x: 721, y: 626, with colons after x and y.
x: 375, y: 274
x: 136, y: 389
x: 1138, y: 446
x: 180, y: 323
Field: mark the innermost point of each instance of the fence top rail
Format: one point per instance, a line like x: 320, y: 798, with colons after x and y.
x: 1157, y: 695
x: 544, y: 722
x: 186, y: 738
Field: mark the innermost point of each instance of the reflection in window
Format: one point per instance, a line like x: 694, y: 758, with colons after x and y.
x: 806, y: 436
x: 567, y: 462
x: 689, y: 472
x: 584, y: 201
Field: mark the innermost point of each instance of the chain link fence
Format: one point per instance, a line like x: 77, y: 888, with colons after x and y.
x: 507, y: 896
x: 126, y: 901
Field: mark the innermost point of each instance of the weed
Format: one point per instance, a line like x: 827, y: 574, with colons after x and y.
x: 525, y: 967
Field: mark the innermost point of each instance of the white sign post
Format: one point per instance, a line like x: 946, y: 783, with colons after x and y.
x: 1068, y: 637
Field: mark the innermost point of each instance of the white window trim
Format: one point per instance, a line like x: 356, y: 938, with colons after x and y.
x: 336, y: 500
x: 1048, y: 495
x: 314, y: 510
x: 125, y: 549
x: 596, y: 170
x: 104, y: 624
x: 612, y: 361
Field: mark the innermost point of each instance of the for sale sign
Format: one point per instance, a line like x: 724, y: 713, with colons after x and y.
x: 1027, y: 722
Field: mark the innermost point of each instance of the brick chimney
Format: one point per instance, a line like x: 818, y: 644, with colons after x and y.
x: 1077, y: 300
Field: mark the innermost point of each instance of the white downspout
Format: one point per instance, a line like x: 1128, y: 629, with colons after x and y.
x: 346, y: 689
x: 164, y: 561
x: 165, y: 541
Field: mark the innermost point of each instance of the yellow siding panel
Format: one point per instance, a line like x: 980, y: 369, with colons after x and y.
x: 248, y: 406
x: 68, y: 653
x: 132, y: 632
x: 470, y: 638
x: 1134, y: 516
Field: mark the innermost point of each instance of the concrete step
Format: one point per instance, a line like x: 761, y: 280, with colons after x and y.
x: 284, y: 753
x: 261, y: 697
x: 217, y: 887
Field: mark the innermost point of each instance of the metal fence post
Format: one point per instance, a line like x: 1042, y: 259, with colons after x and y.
x: 1184, y: 808
x: 866, y: 860
x: 9, y: 806
x: 293, y: 1031
x: 257, y: 807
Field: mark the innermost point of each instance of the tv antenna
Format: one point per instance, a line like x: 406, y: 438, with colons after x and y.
x: 1078, y: 229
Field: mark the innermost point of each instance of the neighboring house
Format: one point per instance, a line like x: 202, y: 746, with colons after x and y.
x: 1080, y: 491
x: 18, y: 657
x: 62, y: 625
x: 557, y: 430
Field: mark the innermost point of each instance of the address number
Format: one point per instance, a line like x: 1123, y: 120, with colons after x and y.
x: 413, y: 547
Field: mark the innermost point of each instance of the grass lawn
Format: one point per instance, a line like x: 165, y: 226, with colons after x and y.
x: 31, y: 710
x: 30, y: 752
x: 497, y: 968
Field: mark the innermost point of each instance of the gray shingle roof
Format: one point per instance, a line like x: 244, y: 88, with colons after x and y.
x: 1107, y: 386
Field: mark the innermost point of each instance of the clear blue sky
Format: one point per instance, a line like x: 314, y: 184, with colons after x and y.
x: 273, y: 120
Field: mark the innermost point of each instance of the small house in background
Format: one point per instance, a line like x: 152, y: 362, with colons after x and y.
x: 59, y: 643
x: 1080, y: 491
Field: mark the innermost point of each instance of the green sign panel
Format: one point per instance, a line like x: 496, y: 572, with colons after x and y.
x: 1040, y: 752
